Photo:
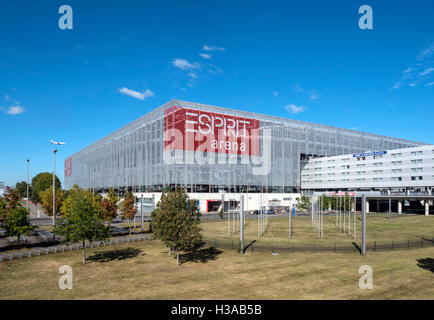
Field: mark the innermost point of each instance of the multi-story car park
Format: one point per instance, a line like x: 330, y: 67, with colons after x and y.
x: 404, y: 171
x: 209, y: 150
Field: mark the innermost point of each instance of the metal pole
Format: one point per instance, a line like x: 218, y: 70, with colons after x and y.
x: 322, y: 220
x: 349, y: 215
x: 336, y: 211
x: 355, y: 204
x: 242, y: 223
x: 344, y: 211
x: 363, y: 225
x: 141, y: 209
x: 54, y: 186
x: 28, y: 160
x: 340, y: 213
x: 290, y: 222
x: 312, y: 208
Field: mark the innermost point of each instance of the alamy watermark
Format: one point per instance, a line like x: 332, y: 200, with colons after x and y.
x: 65, y: 281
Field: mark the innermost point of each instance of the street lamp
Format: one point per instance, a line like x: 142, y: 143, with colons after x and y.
x: 54, y: 176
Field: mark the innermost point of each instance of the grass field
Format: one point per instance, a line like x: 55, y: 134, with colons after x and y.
x: 145, y: 271
x: 379, y: 229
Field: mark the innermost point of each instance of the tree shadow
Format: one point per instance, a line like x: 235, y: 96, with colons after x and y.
x: 202, y: 255
x: 118, y: 254
x: 427, y: 264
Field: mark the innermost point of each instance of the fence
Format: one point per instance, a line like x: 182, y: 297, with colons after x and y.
x: 330, y: 247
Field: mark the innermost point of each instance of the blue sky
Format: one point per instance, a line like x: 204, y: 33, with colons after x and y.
x: 306, y: 60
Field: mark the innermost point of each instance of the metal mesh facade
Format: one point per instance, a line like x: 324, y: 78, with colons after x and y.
x: 132, y: 157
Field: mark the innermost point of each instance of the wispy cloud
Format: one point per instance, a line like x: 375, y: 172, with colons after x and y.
x: 14, y: 110
x: 426, y: 71
x: 210, y: 48
x: 292, y: 108
x: 313, y: 95
x: 184, y: 64
x: 135, y: 94
x: 275, y: 93
x: 420, y: 70
x: 192, y: 76
x: 429, y: 84
x: 205, y: 56
x: 426, y: 52
x: 213, y: 69
x: 11, y: 100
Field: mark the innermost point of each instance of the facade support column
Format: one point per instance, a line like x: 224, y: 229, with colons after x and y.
x: 367, y: 206
x: 399, y: 206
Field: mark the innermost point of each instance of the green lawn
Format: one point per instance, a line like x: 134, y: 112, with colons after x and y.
x: 379, y: 229
x: 145, y: 271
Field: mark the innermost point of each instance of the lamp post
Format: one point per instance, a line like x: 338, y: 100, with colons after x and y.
x: 54, y: 185
x: 28, y: 160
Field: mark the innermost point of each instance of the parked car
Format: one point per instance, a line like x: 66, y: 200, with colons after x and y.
x: 255, y: 212
x: 271, y: 211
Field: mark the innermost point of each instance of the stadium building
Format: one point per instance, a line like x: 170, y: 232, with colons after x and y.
x: 211, y: 150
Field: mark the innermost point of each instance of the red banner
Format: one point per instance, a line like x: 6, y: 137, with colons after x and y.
x: 210, y: 131
x: 68, y: 167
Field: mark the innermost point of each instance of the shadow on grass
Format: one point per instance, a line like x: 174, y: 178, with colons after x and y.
x: 427, y: 264
x: 118, y: 254
x: 202, y: 255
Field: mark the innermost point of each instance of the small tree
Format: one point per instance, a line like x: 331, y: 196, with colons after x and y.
x: 108, y: 210
x: 17, y: 224
x: 21, y: 188
x: 82, y: 219
x: 2, y: 209
x: 12, y: 199
x: 41, y: 182
x: 304, y: 203
x: 174, y: 223
x: 47, y: 200
x: 128, y: 208
x: 112, y: 196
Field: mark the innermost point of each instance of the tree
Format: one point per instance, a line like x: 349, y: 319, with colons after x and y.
x: 174, y: 224
x: 108, y: 210
x: 2, y: 209
x: 17, y: 224
x: 128, y: 208
x: 47, y: 200
x: 12, y: 199
x: 304, y: 203
x: 82, y: 219
x: 41, y: 182
x: 21, y: 188
x: 112, y: 196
